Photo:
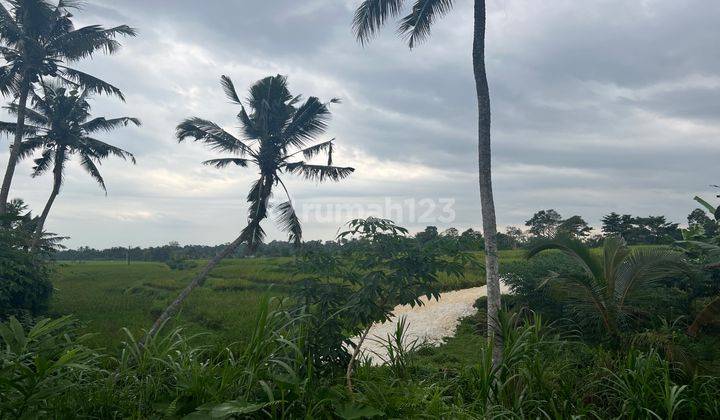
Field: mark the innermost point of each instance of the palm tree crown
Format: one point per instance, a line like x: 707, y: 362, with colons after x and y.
x: 414, y: 27
x: 38, y: 39
x: 59, y: 125
x: 277, y: 128
x: 605, y: 288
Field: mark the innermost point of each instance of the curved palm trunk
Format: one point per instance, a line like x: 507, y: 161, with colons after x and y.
x: 57, y: 182
x: 485, y: 182
x: 258, y: 212
x: 197, y: 281
x: 15, y: 148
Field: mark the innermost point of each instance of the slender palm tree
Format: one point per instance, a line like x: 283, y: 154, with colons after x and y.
x: 38, y: 39
x: 606, y: 288
x: 276, y: 133
x: 60, y: 125
x: 415, y: 27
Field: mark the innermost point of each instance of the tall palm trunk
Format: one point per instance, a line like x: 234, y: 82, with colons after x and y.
x: 15, y: 148
x: 57, y: 182
x: 485, y: 181
x: 197, y: 281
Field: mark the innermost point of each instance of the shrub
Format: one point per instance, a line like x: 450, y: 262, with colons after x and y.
x: 25, y: 286
x: 40, y: 367
x: 525, y: 277
x: 180, y: 263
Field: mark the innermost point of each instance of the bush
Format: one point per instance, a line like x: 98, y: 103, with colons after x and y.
x: 180, y: 263
x: 46, y: 371
x: 41, y: 366
x: 25, y: 287
x: 525, y: 277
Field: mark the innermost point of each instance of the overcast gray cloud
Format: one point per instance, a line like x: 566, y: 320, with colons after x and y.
x: 604, y: 105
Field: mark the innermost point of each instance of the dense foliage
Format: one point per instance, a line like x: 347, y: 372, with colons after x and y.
x: 25, y: 286
x: 545, y: 373
x: 346, y: 292
x: 613, y: 332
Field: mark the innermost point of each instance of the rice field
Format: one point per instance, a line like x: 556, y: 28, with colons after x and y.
x: 109, y: 295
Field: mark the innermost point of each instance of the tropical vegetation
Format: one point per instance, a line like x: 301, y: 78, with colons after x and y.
x: 39, y: 40
x: 276, y: 132
x: 621, y: 322
x: 60, y: 127
x: 415, y: 27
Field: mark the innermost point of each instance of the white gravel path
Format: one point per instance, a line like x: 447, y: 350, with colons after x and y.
x: 430, y: 323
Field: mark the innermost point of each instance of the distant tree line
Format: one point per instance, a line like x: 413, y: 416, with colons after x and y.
x: 544, y: 224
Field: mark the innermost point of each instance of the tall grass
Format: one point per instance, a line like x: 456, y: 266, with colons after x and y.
x: 47, y: 370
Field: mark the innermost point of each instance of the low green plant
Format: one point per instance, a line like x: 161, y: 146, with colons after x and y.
x: 25, y: 287
x: 379, y: 267
x: 47, y: 371
x: 605, y: 289
x: 180, y: 263
x: 40, y: 365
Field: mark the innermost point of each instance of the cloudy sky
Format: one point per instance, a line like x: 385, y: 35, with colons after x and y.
x: 598, y: 106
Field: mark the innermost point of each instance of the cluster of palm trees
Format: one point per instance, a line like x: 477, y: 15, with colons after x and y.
x: 39, y: 42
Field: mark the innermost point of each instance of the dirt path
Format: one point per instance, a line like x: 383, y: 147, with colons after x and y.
x: 430, y: 323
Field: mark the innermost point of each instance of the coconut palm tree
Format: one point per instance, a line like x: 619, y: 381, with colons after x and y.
x: 415, y: 27
x: 60, y: 125
x: 606, y: 288
x: 38, y: 39
x: 277, y: 128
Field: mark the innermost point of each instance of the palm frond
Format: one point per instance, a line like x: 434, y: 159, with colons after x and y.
x: 70, y: 4
x: 574, y: 250
x: 615, y: 250
x: 83, y: 42
x: 712, y: 250
x: 416, y: 26
x: 31, y: 115
x: 211, y: 134
x: 267, y: 92
x: 229, y: 89
x: 101, y: 123
x: 259, y: 198
x: 9, y: 31
x: 708, y: 314
x: 312, y: 151
x: 248, y: 125
x: 89, y: 82
x: 319, y: 172
x: 709, y: 207
x: 253, y: 235
x: 371, y: 15
x: 223, y: 162
x: 86, y: 161
x: 643, y: 267
x: 43, y: 163
x: 10, y: 128
x: 30, y: 145
x: 288, y: 221
x: 10, y: 79
x: 308, y: 122
x: 585, y: 293
x: 100, y: 150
